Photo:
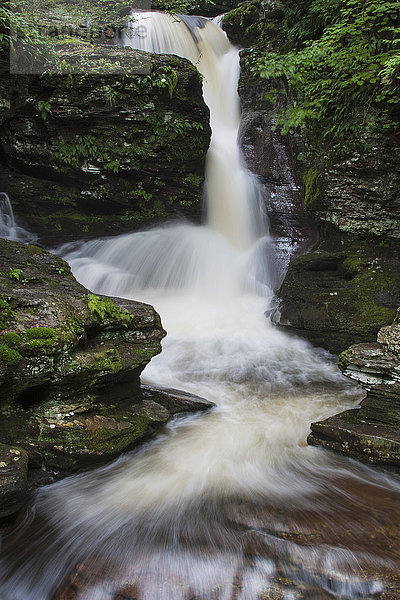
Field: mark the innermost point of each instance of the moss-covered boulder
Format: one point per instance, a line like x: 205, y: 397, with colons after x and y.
x: 13, y: 479
x: 116, y: 146
x: 338, y: 298
x: 68, y: 435
x: 57, y: 335
x: 370, y: 433
x: 62, y: 350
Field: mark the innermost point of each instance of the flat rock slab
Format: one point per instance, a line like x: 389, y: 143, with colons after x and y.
x: 13, y: 479
x: 367, y: 440
x: 74, y: 436
x: 176, y: 401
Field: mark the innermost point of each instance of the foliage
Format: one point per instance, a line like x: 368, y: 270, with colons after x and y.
x: 103, y: 308
x: 45, y: 108
x: 21, y: 39
x: 16, y: 274
x: 80, y: 149
x: 180, y: 6
x: 342, y: 69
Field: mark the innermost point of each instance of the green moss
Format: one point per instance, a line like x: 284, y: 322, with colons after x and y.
x: 9, y: 355
x: 11, y: 339
x: 312, y: 191
x: 73, y: 329
x: 108, y: 441
x: 39, y: 344
x: 7, y: 314
x: 40, y: 333
x: 344, y: 359
x: 110, y: 363
x: 74, y: 439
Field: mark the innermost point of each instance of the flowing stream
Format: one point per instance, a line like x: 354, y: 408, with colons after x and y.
x: 233, y: 504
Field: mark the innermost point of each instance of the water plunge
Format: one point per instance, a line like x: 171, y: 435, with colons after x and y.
x: 220, y: 505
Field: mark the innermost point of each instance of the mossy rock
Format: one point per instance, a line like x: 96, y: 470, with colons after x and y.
x: 59, y: 340
x: 69, y: 434
x: 336, y: 299
x: 117, y: 151
x: 370, y: 433
x: 254, y: 23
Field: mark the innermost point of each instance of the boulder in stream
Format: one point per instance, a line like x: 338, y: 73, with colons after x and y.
x: 371, y: 432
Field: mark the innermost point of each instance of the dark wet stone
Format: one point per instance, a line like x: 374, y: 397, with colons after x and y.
x: 330, y: 297
x: 176, y: 401
x: 370, y: 433
x: 142, y: 152
x: 13, y: 479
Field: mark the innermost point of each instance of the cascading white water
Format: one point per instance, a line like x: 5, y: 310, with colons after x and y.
x: 232, y: 206
x: 182, y: 516
x: 8, y: 227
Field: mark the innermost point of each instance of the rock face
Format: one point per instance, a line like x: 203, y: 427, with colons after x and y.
x: 70, y: 362
x: 348, y: 288
x: 372, y: 432
x: 13, y: 479
x: 345, y: 297
x: 269, y: 155
x: 111, y: 152
x: 360, y: 195
x: 339, y: 298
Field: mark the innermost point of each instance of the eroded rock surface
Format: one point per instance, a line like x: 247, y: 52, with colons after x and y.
x: 338, y: 298
x: 112, y: 152
x: 13, y: 479
x: 370, y: 433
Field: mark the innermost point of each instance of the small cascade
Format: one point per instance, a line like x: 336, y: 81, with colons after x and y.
x: 8, y: 226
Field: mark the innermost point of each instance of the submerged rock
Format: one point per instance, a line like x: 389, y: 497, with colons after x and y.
x: 370, y: 433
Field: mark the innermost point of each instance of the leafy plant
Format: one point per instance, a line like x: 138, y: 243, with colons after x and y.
x: 16, y: 274
x: 342, y: 71
x: 104, y: 307
x: 44, y: 108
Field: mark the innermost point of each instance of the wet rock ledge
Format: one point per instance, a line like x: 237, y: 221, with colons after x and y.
x: 370, y: 433
x: 70, y: 361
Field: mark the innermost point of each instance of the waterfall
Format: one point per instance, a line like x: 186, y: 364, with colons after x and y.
x: 232, y: 207
x: 232, y: 252
x: 8, y: 226
x: 214, y: 507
